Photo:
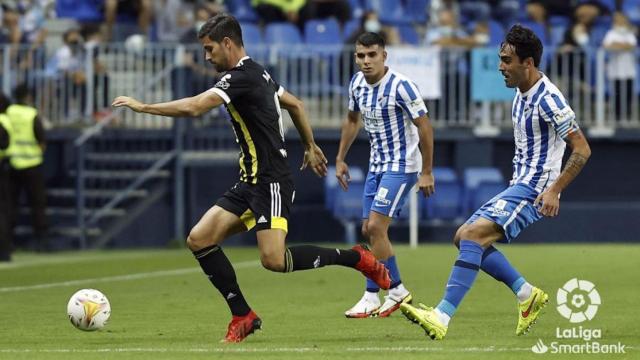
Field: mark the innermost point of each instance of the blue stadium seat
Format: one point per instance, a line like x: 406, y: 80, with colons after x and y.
x: 496, y: 33
x: 472, y: 179
x: 408, y: 34
x: 445, y: 203
x: 349, y: 28
x: 243, y: 11
x: 631, y: 8
x: 390, y: 12
x: 357, y: 9
x: 251, y: 34
x: 322, y: 32
x: 81, y: 10
x: 485, y: 192
x: 332, y: 189
x: 282, y: 33
x: 418, y: 9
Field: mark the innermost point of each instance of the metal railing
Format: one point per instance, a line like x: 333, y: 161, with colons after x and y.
x: 317, y: 74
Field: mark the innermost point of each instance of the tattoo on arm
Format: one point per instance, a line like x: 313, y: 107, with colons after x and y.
x: 573, y: 166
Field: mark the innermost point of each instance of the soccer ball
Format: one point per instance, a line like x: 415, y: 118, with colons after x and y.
x: 88, y: 309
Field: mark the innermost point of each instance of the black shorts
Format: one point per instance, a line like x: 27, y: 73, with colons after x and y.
x: 263, y: 205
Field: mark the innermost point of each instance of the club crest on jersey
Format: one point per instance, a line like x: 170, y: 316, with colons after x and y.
x: 223, y: 83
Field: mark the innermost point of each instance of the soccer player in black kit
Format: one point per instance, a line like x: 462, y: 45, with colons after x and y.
x: 264, y: 195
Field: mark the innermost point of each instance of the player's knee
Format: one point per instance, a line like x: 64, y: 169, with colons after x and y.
x: 478, y: 233
x: 457, y: 236
x: 272, y: 262
x: 365, y: 231
x: 376, y: 230
x: 196, y: 240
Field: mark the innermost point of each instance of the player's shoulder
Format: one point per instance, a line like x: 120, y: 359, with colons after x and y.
x: 356, y: 80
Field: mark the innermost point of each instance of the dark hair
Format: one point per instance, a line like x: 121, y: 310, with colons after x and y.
x: 65, y: 35
x: 4, y: 102
x: 370, y: 39
x: 21, y: 92
x: 525, y: 42
x: 221, y: 26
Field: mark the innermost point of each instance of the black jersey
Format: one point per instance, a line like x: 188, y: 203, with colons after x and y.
x: 252, y: 99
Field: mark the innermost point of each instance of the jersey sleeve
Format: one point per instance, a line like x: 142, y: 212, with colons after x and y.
x: 559, y: 114
x: 353, y: 102
x: 409, y: 98
x: 232, y: 85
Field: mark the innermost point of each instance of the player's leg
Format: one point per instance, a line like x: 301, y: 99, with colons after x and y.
x: 475, y: 237
x: 271, y: 204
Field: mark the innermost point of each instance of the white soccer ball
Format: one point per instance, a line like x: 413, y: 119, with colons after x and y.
x: 88, y: 309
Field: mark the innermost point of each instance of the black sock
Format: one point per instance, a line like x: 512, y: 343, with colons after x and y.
x: 218, y: 269
x: 306, y: 257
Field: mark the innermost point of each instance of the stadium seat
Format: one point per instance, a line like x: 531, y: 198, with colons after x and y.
x: 349, y: 28
x: 496, y: 33
x: 631, y: 8
x: 472, y: 179
x: 417, y: 10
x: 332, y: 188
x: 81, y: 10
x: 357, y: 9
x: 281, y: 34
x: 485, y: 192
x: 322, y: 32
x: 445, y: 203
x: 390, y: 12
x: 251, y: 34
x: 408, y: 34
x: 243, y: 11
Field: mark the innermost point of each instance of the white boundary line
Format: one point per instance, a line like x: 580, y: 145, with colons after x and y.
x: 34, y: 260
x: 269, y: 350
x: 137, y: 276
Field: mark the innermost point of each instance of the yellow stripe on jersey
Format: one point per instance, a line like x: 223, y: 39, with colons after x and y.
x: 252, y: 147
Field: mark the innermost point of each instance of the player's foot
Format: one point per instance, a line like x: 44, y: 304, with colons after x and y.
x: 372, y: 268
x: 242, y: 326
x: 392, y: 303
x: 427, y: 318
x: 529, y: 310
x: 366, y: 307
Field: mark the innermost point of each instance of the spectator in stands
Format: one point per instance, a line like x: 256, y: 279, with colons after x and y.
x: 6, y: 241
x: 571, y: 60
x: 621, y: 42
x: 536, y: 12
x: 447, y: 32
x: 587, y: 12
x: 142, y: 9
x: 437, y: 6
x: 480, y: 36
x: 279, y: 10
x: 27, y: 147
x: 10, y: 30
x: 173, y: 18
x: 322, y: 9
x: 68, y: 68
x: 370, y: 22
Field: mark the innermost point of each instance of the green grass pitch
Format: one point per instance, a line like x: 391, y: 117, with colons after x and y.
x: 164, y: 308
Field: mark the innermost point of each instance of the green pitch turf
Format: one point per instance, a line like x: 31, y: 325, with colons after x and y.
x: 164, y: 308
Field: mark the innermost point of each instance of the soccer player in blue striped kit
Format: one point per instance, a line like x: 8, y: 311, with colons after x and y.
x: 543, y: 124
x: 401, y: 139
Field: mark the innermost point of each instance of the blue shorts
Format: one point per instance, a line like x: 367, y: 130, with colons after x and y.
x: 512, y: 209
x: 386, y: 192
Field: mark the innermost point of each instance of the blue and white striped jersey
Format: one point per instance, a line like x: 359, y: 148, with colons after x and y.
x: 542, y: 119
x: 388, y: 108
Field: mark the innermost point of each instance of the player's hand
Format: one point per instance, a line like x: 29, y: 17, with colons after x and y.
x: 548, y: 203
x: 314, y: 157
x: 426, y: 184
x: 342, y: 173
x: 129, y: 102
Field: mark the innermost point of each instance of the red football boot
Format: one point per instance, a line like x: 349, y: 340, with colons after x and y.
x: 372, y: 268
x: 242, y: 326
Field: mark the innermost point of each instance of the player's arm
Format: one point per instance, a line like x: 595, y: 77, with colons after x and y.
x: 313, y: 155
x: 186, y: 107
x: 580, y: 153
x: 426, y: 182
x: 348, y: 134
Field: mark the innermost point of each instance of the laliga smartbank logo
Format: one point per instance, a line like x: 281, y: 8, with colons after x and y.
x: 578, y: 301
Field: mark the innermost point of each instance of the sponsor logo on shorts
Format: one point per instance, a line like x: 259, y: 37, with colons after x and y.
x: 381, y: 197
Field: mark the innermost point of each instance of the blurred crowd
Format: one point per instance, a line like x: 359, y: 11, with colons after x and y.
x: 567, y: 28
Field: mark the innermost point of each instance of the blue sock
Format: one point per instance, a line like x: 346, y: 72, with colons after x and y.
x: 463, y: 274
x: 496, y: 265
x: 394, y: 273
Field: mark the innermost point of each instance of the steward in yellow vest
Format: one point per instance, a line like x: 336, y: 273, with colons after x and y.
x: 5, y: 200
